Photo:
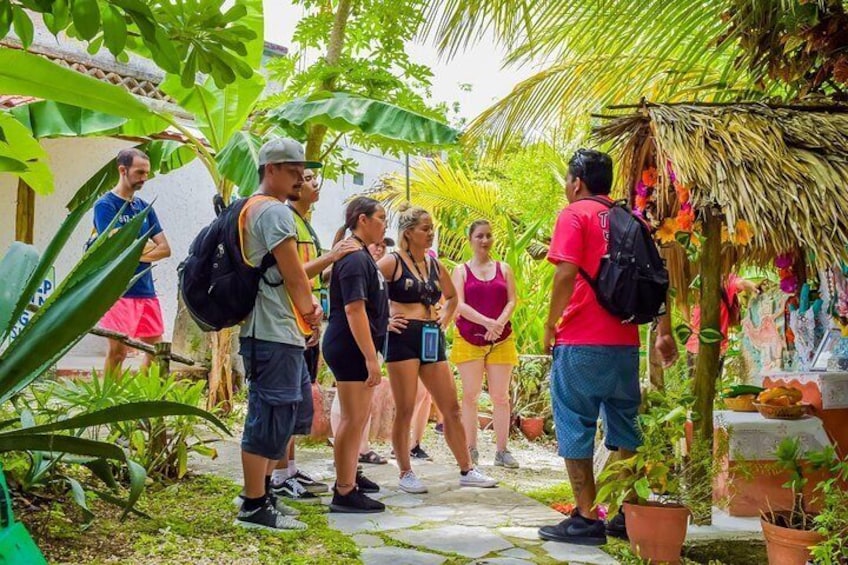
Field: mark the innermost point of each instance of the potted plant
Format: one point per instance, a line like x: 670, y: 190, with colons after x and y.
x: 651, y: 486
x: 531, y: 396
x: 791, y: 533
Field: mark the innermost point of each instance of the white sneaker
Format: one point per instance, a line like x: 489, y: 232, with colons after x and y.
x: 411, y: 484
x: 475, y: 478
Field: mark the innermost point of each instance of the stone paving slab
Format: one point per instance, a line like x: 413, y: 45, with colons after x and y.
x: 398, y: 556
x: 503, y: 561
x: 574, y: 554
x: 466, y: 541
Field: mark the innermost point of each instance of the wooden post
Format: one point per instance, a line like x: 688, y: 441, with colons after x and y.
x: 163, y: 358
x: 25, y: 213
x: 707, y: 363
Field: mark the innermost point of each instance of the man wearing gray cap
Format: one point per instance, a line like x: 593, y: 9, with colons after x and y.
x: 273, y: 336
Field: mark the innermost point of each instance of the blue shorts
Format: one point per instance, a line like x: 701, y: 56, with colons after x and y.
x: 588, y: 381
x: 275, y: 392
x: 305, y: 410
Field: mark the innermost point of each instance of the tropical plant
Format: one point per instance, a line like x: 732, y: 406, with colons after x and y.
x: 530, y: 393
x: 832, y: 521
x: 597, y: 54
x: 160, y: 445
x: 363, y: 55
x: 659, y: 471
x: 792, y: 458
x: 102, y: 275
x: 182, y: 37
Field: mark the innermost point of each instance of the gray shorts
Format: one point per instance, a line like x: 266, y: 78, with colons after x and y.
x: 275, y: 378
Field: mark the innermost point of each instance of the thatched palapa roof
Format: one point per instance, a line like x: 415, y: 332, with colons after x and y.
x: 784, y: 170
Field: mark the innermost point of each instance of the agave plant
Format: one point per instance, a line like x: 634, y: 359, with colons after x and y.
x: 102, y: 275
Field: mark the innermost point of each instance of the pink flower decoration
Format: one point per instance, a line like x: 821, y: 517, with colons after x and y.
x: 641, y: 188
x: 789, y: 285
x: 672, y: 178
x: 686, y: 206
x: 783, y: 261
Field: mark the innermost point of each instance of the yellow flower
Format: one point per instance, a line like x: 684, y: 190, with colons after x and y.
x: 743, y: 234
x: 666, y: 231
x: 725, y: 235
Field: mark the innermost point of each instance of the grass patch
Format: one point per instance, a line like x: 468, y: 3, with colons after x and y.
x: 722, y: 552
x: 560, y: 492
x: 192, y: 522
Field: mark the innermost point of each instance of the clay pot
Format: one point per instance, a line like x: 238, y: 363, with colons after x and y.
x: 532, y: 428
x: 786, y: 546
x: 656, y: 531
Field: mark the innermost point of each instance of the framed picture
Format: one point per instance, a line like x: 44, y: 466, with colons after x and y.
x: 825, y: 349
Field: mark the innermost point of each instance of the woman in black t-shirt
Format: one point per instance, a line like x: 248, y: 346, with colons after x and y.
x: 356, y: 332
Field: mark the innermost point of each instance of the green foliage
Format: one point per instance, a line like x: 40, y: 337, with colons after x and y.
x: 660, y: 468
x: 530, y: 394
x: 159, y: 444
x: 791, y: 457
x: 832, y: 522
x: 182, y: 37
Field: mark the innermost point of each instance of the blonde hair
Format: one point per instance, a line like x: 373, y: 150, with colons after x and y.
x: 408, y: 217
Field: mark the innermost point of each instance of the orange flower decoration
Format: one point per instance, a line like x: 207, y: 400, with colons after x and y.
x: 743, y: 234
x: 725, y: 235
x: 682, y: 193
x: 667, y: 230
x: 686, y: 219
x: 649, y: 176
x: 641, y: 202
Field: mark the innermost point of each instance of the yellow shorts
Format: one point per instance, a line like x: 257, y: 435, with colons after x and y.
x: 502, y: 353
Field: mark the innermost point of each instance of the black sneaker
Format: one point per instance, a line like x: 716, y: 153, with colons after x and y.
x: 266, y: 517
x: 577, y: 530
x: 418, y: 453
x: 355, y: 502
x: 294, y: 491
x: 366, y: 485
x: 616, y: 526
x: 310, y: 484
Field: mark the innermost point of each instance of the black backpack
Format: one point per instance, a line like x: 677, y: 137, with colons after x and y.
x: 218, y: 288
x: 632, y: 281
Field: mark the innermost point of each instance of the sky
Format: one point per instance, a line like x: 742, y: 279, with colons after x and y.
x: 480, y: 66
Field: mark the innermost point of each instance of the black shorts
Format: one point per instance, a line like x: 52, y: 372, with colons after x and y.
x: 311, y: 355
x: 407, y: 344
x: 346, y: 361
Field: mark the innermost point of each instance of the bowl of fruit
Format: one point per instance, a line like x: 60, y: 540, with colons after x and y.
x: 781, y: 403
x: 740, y: 398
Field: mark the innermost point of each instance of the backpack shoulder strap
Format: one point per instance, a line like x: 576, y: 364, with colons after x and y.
x: 600, y: 199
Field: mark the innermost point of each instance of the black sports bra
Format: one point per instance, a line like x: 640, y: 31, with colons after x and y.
x: 408, y: 289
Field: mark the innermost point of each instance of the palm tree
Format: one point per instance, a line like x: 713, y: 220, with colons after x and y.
x: 597, y: 53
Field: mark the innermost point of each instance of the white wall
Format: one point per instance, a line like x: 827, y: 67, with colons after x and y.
x: 183, y: 202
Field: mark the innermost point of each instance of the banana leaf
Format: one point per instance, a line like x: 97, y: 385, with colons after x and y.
x: 47, y: 118
x: 21, y: 154
x: 72, y: 309
x: 27, y: 74
x: 239, y: 161
x: 345, y: 112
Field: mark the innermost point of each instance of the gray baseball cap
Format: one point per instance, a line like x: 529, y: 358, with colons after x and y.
x: 285, y: 150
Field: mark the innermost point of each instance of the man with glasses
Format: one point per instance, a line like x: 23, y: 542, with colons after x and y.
x: 287, y: 480
x: 595, y: 366
x: 273, y: 336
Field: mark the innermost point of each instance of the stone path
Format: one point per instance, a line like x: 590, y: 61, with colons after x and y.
x: 466, y: 525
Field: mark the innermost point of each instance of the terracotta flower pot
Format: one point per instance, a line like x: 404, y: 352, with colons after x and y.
x: 656, y: 531
x: 532, y: 428
x: 484, y: 421
x: 786, y: 546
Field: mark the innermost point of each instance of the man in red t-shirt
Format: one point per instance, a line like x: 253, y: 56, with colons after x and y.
x: 595, y: 370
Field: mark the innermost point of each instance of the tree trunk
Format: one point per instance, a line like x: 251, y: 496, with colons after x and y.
x: 221, y: 373
x: 316, y: 133
x: 25, y: 213
x: 656, y: 374
x: 709, y: 351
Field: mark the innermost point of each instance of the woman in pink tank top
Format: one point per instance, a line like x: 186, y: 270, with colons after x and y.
x: 484, y: 343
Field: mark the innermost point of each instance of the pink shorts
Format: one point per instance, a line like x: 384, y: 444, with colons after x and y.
x: 135, y: 317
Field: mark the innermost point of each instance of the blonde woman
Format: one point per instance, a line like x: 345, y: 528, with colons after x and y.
x: 485, y: 291
x: 416, y: 345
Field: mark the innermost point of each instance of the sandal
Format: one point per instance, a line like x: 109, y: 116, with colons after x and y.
x: 372, y: 458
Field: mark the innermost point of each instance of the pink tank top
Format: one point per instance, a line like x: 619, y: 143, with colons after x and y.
x: 487, y: 297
